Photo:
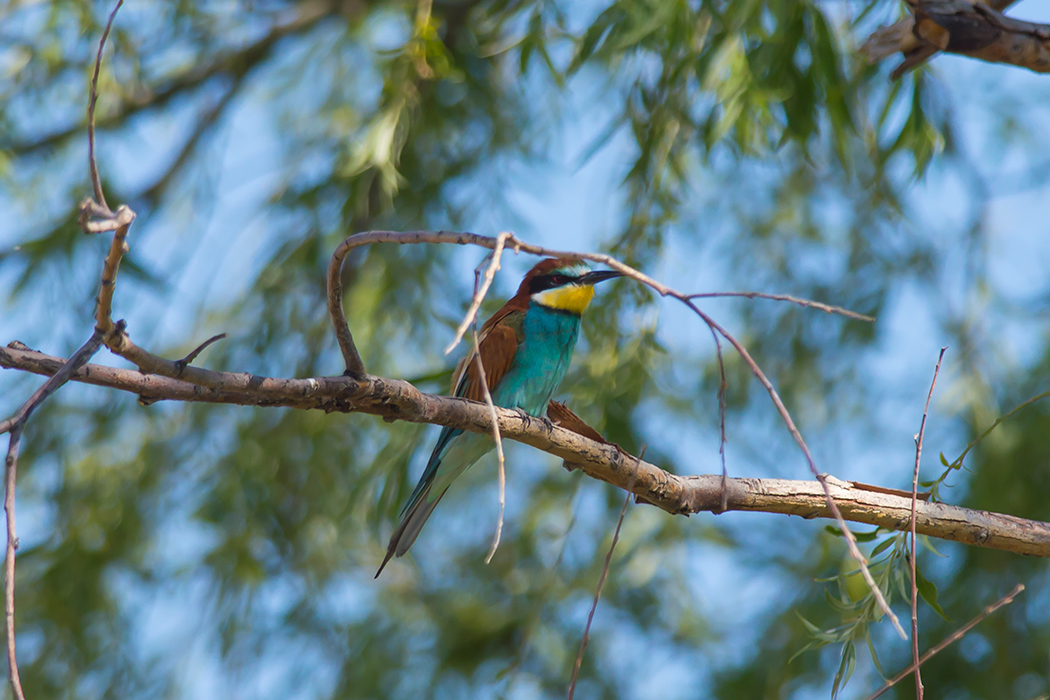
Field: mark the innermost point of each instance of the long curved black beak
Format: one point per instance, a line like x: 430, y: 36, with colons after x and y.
x: 598, y: 276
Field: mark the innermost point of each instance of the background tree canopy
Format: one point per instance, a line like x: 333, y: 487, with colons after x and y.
x: 196, y: 551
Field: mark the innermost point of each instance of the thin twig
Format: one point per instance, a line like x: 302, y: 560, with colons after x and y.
x: 550, y: 576
x: 64, y: 373
x: 480, y: 291
x: 10, y: 473
x: 851, y: 541
x: 914, y: 504
x: 998, y: 421
x: 185, y: 362
x: 96, y: 181
x: 499, y: 445
x: 722, y: 384
x: 351, y: 357
x: 948, y: 641
x: 95, y: 214
x: 601, y: 579
x: 14, y: 426
x: 808, y: 303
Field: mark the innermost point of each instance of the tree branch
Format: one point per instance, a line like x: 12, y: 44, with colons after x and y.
x: 14, y: 425
x: 399, y: 400
x: 966, y: 27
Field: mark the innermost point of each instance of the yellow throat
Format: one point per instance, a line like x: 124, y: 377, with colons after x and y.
x: 573, y: 298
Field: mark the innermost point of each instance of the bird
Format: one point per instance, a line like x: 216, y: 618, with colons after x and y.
x: 525, y: 349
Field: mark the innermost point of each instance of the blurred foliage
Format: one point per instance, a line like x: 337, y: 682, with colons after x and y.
x: 187, y: 551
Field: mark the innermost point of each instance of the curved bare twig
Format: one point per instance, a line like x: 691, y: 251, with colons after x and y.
x: 96, y: 181
x: 479, y: 293
x: 355, y: 367
x: 484, y: 381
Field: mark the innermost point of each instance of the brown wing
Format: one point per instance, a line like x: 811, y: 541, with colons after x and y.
x: 499, y: 342
x: 560, y: 414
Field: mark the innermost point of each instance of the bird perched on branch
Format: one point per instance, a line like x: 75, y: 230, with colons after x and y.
x: 525, y: 349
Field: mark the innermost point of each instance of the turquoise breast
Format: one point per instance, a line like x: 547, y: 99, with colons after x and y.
x: 539, y: 365
x: 541, y: 361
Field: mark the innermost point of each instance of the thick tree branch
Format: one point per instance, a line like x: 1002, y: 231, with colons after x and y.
x: 898, y: 37
x: 675, y: 494
x: 966, y: 27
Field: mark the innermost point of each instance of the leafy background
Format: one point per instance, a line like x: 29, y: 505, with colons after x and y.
x: 201, y: 551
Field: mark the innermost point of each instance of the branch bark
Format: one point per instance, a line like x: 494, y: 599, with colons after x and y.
x: 399, y: 400
x: 966, y: 27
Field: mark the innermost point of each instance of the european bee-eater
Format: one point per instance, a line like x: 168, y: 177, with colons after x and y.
x: 525, y: 350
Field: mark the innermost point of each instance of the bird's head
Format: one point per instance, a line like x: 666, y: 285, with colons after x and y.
x: 564, y: 284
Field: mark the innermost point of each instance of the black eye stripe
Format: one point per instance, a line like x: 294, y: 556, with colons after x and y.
x: 545, y: 282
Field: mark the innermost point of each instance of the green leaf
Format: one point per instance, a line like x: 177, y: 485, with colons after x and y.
x: 846, y: 609
x: 847, y: 665
x: 859, y: 536
x: 593, y: 38
x: 808, y: 647
x: 874, y: 655
x: 884, y: 545
x: 900, y: 579
x: 928, y: 544
x: 928, y: 591
x: 825, y: 636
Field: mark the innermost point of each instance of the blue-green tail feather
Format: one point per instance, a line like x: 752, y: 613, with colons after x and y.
x: 430, y: 473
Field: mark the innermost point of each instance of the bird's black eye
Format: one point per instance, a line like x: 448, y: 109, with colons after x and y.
x: 558, y: 280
